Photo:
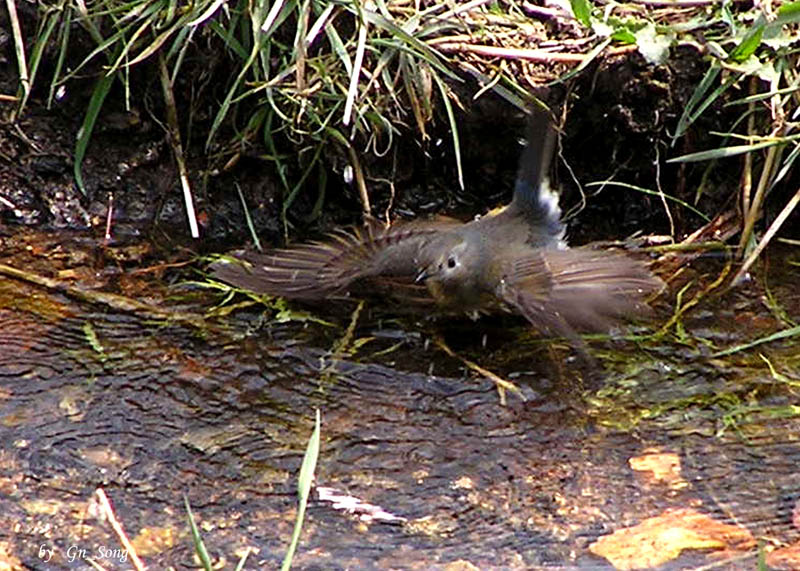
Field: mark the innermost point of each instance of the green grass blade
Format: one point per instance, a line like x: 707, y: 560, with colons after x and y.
x: 249, y: 219
x: 304, y: 482
x: 755, y: 98
x: 791, y: 332
x: 199, y: 546
x: 19, y: 50
x: 732, y: 151
x: 352, y: 90
x: 652, y: 192
x: 453, y: 127
x: 242, y: 561
x: 287, y: 203
x: 99, y: 94
x: 272, y: 20
x: 207, y: 13
x: 697, y: 95
x: 42, y: 41
x: 590, y: 57
x: 788, y: 162
x: 750, y: 41
x: 62, y: 56
x: 226, y: 103
x: 339, y: 48
x: 229, y: 39
x: 425, y: 51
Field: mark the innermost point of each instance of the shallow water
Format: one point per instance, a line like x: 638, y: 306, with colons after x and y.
x: 438, y: 471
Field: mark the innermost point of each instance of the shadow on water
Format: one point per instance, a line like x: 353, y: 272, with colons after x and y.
x: 436, y: 472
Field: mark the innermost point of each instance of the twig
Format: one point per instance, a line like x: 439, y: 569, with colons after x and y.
x: 300, y: 50
x: 662, y: 195
x: 458, y: 10
x: 747, y: 174
x: 342, y: 346
x: 501, y: 384
x: 109, y: 216
x: 19, y: 49
x: 118, y: 302
x: 678, y: 3
x: 7, y: 203
x: 773, y: 229
x: 522, y: 53
x: 757, y: 202
x: 95, y: 564
x: 174, y: 136
x: 711, y: 236
x: 109, y: 513
x: 551, y: 13
x: 680, y: 311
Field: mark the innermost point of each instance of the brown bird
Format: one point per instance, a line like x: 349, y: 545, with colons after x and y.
x: 511, y: 259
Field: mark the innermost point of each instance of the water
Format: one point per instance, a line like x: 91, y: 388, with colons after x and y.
x: 432, y: 469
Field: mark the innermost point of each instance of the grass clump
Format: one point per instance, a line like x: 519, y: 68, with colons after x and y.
x: 306, y: 83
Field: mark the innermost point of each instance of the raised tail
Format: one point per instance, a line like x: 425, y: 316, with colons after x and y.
x: 534, y: 200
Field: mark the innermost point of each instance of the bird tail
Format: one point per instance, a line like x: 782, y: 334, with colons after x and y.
x: 533, y: 197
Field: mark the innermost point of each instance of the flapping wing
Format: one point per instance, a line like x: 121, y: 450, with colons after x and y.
x: 327, y: 268
x: 562, y: 291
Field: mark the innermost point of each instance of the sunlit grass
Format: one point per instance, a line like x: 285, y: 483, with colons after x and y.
x: 307, y: 83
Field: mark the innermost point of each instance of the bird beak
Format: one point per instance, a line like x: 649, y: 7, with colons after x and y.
x: 422, y: 276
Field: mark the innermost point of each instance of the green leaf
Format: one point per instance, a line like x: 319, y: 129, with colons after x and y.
x: 787, y: 14
x: 750, y: 41
x: 582, y: 10
x: 623, y: 35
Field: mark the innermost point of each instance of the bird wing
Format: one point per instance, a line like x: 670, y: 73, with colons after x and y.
x: 326, y: 268
x: 561, y: 291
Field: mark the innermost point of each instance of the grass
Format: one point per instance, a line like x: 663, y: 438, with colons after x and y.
x: 305, y: 480
x: 306, y: 82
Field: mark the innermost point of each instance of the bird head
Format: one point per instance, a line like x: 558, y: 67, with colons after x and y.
x: 444, y: 260
x: 453, y: 268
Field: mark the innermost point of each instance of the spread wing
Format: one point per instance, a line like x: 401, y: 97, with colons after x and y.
x: 561, y: 291
x: 327, y: 268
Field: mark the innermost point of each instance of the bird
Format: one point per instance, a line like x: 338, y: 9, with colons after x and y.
x: 512, y: 259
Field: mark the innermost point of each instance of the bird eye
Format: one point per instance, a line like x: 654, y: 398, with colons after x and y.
x: 451, y: 262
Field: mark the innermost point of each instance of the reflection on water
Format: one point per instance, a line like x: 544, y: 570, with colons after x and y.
x: 419, y: 470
